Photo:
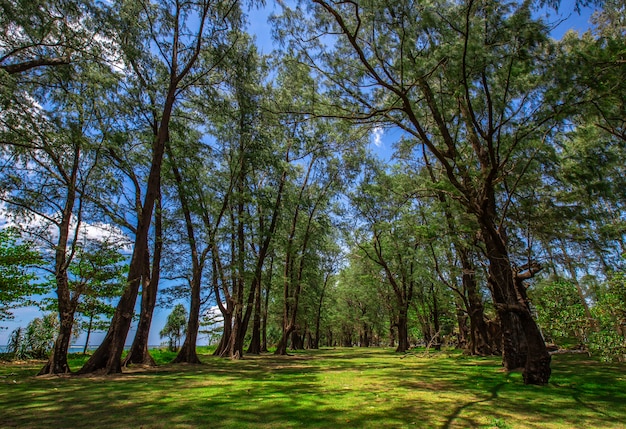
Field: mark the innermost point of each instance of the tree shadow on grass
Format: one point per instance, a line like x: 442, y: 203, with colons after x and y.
x: 462, y: 407
x: 318, y: 389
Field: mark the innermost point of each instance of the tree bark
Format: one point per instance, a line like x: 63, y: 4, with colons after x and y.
x: 41, y: 62
x: 107, y: 357
x: 480, y: 343
x: 187, y: 352
x: 255, y: 341
x: 266, y: 306
x: 57, y: 363
x: 523, y: 346
x: 139, y: 352
x: 403, y: 332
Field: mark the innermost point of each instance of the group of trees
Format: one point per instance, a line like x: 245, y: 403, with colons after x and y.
x: 245, y: 181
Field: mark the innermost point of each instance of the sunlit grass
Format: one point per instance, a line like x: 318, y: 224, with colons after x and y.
x: 370, y: 388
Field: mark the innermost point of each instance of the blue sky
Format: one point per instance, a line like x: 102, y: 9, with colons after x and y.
x: 381, y: 145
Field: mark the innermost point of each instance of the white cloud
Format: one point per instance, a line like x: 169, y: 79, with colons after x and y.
x: 377, y: 136
x: 48, y: 231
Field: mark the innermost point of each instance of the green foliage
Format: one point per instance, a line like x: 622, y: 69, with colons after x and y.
x: 16, y: 282
x: 175, y: 327
x: 97, y: 275
x: 561, y: 314
x: 37, y: 340
x: 609, y: 341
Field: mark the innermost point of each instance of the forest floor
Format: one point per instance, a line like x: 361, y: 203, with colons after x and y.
x: 328, y: 388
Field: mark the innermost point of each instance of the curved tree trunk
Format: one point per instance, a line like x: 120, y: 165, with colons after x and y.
x: 139, y: 352
x: 523, y: 345
x: 222, y: 347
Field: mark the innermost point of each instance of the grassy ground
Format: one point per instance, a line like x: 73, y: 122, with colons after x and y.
x: 361, y: 388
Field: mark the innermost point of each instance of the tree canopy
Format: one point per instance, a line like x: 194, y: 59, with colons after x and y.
x: 247, y: 183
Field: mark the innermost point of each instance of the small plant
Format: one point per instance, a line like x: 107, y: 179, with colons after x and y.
x: 499, y: 424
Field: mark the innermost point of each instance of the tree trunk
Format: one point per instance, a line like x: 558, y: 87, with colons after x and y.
x: 187, y: 352
x: 266, y: 308
x: 523, y: 346
x: 222, y: 348
x: 108, y: 356
x: 139, y: 352
x: 318, y: 314
x: 297, y: 340
x: 403, y: 333
x: 57, y: 363
x: 392, y: 336
x: 255, y: 342
x: 88, y: 334
x: 480, y: 344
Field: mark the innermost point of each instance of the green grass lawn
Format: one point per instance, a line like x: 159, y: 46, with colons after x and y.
x: 360, y: 388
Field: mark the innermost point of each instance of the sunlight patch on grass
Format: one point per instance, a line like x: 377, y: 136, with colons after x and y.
x: 369, y: 388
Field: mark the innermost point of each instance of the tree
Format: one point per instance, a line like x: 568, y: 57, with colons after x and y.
x: 179, y: 31
x: 16, y: 282
x: 50, y: 132
x: 175, y: 327
x: 464, y: 80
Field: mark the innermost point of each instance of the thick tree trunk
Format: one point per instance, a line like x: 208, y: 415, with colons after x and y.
x: 57, y: 363
x: 403, y: 333
x: 364, y: 340
x: 523, y: 346
x: 281, y: 347
x: 187, y: 352
x: 139, y: 352
x: 222, y: 347
x: 297, y: 340
x: 463, y: 340
x: 237, y: 335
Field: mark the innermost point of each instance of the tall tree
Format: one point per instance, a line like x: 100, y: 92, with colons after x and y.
x: 464, y: 79
x: 51, y: 133
x: 179, y: 31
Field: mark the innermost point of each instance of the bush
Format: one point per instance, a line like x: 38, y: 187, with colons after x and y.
x: 36, y: 341
x: 609, y: 341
